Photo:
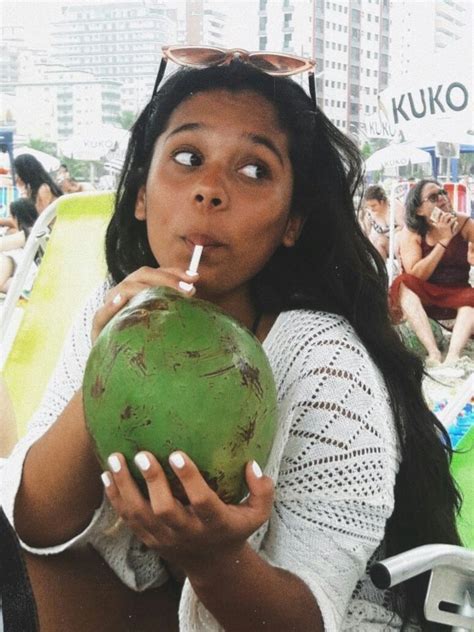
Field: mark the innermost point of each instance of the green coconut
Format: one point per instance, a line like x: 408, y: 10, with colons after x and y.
x: 169, y: 373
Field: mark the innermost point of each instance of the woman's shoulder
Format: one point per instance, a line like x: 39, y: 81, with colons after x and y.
x: 408, y: 236
x: 312, y: 335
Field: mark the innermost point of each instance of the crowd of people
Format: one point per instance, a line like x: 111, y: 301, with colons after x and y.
x: 433, y: 247
x: 238, y: 160
x: 37, y: 189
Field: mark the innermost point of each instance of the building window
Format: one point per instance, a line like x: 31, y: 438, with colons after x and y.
x: 262, y: 44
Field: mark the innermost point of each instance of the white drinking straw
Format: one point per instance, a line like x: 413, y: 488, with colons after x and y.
x: 193, y: 267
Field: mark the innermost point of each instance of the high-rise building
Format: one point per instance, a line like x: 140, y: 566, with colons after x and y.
x: 349, y: 39
x: 11, y: 43
x: 421, y: 29
x: 117, y: 41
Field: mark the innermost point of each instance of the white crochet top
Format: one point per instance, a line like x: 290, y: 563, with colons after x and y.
x: 334, y: 462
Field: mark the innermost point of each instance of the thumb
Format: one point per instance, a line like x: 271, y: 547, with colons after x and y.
x: 261, y: 489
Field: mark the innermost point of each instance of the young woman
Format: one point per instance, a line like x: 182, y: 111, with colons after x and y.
x: 376, y: 220
x: 24, y: 214
x: 434, y: 250
x: 239, y: 161
x: 35, y: 181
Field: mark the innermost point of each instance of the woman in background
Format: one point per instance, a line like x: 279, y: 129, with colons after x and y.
x: 35, y: 182
x: 24, y: 214
x: 434, y: 250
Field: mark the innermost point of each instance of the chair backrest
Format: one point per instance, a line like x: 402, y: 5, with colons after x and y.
x: 72, y: 265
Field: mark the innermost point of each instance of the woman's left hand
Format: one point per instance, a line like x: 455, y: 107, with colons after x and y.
x: 187, y: 535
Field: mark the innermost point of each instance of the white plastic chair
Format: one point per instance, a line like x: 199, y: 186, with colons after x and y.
x: 450, y: 596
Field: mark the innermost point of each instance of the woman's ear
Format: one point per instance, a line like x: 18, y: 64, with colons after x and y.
x: 292, y: 231
x: 140, y: 204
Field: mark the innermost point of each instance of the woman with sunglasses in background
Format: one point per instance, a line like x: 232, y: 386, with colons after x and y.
x: 243, y: 162
x: 434, y: 251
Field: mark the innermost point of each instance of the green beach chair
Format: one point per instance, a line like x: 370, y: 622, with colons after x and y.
x: 462, y: 467
x: 72, y: 265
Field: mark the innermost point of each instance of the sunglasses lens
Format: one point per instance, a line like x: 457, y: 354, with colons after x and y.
x: 277, y: 64
x: 198, y: 56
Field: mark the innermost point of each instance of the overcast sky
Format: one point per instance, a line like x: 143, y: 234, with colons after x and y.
x: 36, y: 15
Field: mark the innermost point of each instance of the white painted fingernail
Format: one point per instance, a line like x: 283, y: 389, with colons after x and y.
x: 257, y: 470
x: 142, y: 461
x: 105, y: 476
x: 114, y: 463
x: 186, y: 287
x: 177, y: 460
x: 117, y: 298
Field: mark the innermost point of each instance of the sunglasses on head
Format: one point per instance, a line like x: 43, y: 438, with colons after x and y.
x: 274, y: 64
x: 433, y: 197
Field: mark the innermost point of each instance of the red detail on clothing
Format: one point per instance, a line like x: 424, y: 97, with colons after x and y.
x: 445, y: 291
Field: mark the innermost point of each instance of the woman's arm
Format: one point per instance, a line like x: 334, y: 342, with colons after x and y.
x: 467, y: 230
x: 60, y: 481
x: 9, y: 222
x: 245, y: 593
x: 12, y: 241
x: 60, y: 487
x: 411, y: 254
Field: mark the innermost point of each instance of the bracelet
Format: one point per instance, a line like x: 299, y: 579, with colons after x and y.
x: 445, y: 247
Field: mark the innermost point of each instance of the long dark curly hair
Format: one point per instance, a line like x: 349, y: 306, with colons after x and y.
x: 351, y: 280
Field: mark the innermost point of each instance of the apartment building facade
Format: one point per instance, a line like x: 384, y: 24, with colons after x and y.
x: 117, y: 41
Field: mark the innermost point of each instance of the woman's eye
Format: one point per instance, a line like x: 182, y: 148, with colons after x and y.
x: 187, y: 158
x: 254, y: 171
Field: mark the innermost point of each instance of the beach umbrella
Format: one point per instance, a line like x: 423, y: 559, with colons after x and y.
x: 396, y: 155
x: 94, y: 143
x: 50, y: 163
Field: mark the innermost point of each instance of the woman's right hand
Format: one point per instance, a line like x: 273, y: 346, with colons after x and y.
x: 447, y: 226
x: 134, y: 283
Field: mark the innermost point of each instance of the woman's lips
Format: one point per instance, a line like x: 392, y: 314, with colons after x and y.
x: 207, y: 241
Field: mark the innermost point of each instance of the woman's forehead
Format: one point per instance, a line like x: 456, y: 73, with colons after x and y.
x: 245, y: 106
x: 429, y: 187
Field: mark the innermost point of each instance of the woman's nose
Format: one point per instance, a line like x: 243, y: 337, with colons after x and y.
x: 213, y: 202
x: 210, y: 193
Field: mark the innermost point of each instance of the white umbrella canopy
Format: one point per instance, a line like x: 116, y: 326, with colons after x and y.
x: 396, y: 155
x: 94, y: 143
x: 50, y: 163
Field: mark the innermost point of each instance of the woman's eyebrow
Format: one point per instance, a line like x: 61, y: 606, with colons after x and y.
x: 184, y: 128
x: 259, y: 139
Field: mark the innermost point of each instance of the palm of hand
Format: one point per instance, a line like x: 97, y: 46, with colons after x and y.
x: 191, y: 535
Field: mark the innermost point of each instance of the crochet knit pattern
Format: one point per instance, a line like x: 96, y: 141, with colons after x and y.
x: 334, y: 462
